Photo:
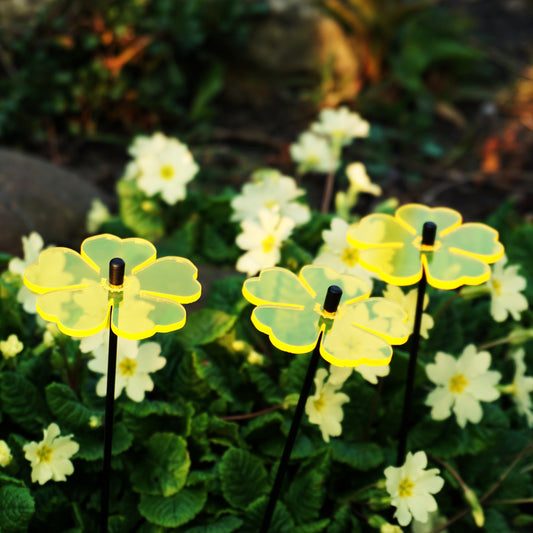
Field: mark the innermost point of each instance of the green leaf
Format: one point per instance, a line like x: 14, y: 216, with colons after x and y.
x: 215, y: 247
x: 66, y: 407
x: 139, y: 213
x: 16, y: 508
x: 22, y: 402
x: 281, y: 519
x: 305, y: 496
x: 205, y: 326
x: 313, y: 527
x: 226, y: 524
x: 226, y: 295
x: 243, y: 477
x: 343, y: 521
x: 163, y: 467
x: 175, y: 510
x: 91, y: 443
x: 495, y: 522
x: 359, y: 455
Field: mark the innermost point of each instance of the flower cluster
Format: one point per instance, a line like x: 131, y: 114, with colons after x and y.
x: 318, y: 150
x: 161, y: 165
x: 268, y: 212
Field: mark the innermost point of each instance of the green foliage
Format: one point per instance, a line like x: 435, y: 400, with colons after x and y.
x: 16, y: 508
x: 149, y: 62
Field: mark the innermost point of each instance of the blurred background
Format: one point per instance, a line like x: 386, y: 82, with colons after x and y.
x: 447, y: 87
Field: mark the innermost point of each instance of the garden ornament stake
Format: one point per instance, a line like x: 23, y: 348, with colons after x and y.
x: 331, y: 302
x: 425, y: 245
x: 347, y: 329
x: 140, y: 296
x: 429, y: 231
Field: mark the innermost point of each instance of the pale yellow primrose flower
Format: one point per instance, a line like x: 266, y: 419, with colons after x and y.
x: 97, y: 215
x: 162, y: 165
x: 411, y: 488
x: 313, y: 153
x: 372, y: 373
x: 461, y: 384
x: 505, y: 285
x: 273, y: 191
x: 521, y: 387
x: 50, y: 458
x: 338, y: 254
x: 5, y: 454
x: 11, y: 347
x: 32, y: 246
x: 359, y: 180
x: 262, y: 240
x: 324, y: 408
x: 408, y: 304
x: 134, y: 363
x: 341, y: 125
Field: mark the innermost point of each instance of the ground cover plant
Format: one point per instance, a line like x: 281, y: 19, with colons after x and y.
x: 202, y: 414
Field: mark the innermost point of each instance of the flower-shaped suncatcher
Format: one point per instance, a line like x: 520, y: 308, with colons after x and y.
x: 290, y: 310
x: 392, y: 247
x: 76, y: 293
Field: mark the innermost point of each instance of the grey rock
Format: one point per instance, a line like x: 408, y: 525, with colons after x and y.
x: 36, y: 195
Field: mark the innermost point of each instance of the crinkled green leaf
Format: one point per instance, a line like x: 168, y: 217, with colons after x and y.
x: 216, y: 248
x: 205, y: 326
x: 226, y: 295
x: 304, y: 496
x: 343, y: 521
x: 495, y: 522
x: 253, y: 518
x: 243, y: 477
x: 224, y: 432
x: 66, y: 406
x: 264, y: 384
x: 163, y: 466
x: 175, y: 510
x: 91, y: 442
x: 225, y: 524
x: 145, y: 418
x: 187, y: 381
x: 317, y: 526
x: 16, y: 508
x: 359, y: 455
x: 22, y: 402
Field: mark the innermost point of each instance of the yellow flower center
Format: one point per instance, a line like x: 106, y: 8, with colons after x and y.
x: 127, y: 367
x: 268, y: 244
x: 497, y: 286
x: 319, y: 404
x: 167, y: 172
x: 458, y: 383
x: 405, y: 488
x: 44, y: 453
x: 350, y: 256
x: 272, y: 205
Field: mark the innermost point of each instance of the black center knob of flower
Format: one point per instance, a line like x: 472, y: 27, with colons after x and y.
x: 116, y: 271
x: 429, y: 232
x: 333, y: 297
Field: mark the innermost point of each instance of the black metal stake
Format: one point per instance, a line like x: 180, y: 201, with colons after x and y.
x: 116, y: 279
x: 429, y: 232
x: 331, y: 303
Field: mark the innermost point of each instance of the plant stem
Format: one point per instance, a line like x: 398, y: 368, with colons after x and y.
x: 328, y: 191
x: 246, y: 416
x: 519, y: 456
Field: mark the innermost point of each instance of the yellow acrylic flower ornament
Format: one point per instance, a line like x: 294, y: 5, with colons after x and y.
x: 391, y: 246
x: 76, y: 293
x: 290, y: 310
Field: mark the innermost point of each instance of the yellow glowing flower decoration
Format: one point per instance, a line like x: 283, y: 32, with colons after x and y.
x: 391, y: 246
x: 75, y: 292
x: 289, y: 309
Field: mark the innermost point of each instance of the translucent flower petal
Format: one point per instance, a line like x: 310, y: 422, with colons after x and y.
x: 392, y: 247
